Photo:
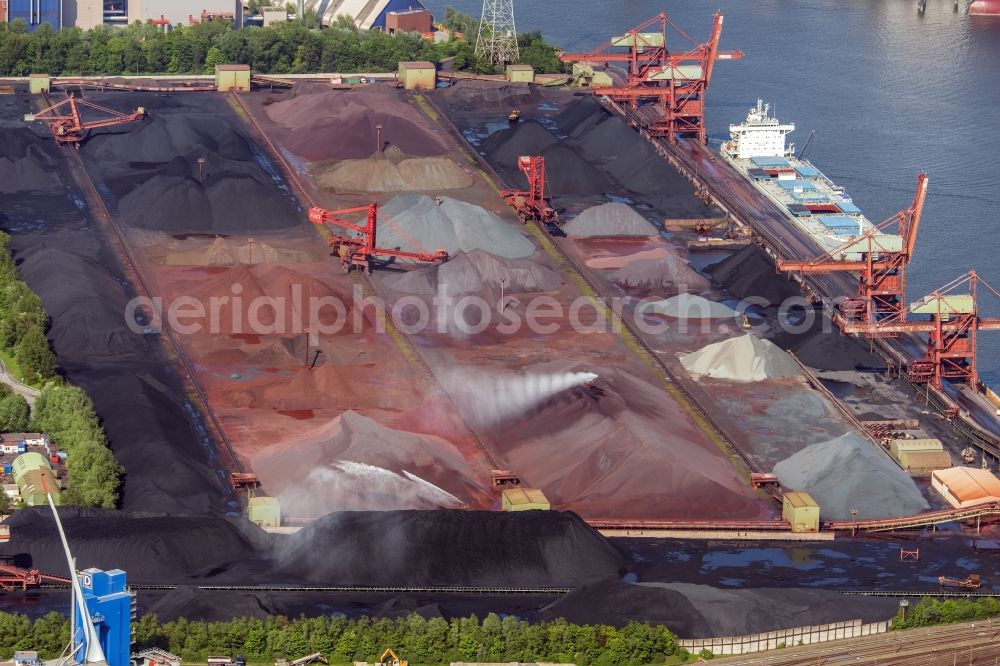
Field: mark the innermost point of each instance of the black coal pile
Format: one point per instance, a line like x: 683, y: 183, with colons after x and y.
x: 24, y: 164
x: 533, y: 548
x: 609, y: 143
x: 751, y: 273
x: 141, y: 403
x: 824, y: 347
x: 150, y: 547
x: 91, y: 319
x: 475, y: 95
x: 566, y: 171
x: 151, y: 169
x: 700, y: 611
x: 169, y: 465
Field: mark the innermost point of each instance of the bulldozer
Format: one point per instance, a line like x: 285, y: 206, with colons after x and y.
x: 514, y: 116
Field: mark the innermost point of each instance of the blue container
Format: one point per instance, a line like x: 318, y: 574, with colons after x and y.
x: 8, y: 469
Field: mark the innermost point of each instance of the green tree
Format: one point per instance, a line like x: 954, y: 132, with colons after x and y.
x: 14, y: 414
x: 215, y: 57
x: 34, y: 356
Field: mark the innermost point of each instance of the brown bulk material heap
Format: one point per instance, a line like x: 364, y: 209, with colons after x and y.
x: 393, y: 171
x: 339, y: 125
x: 354, y: 463
x: 615, y: 448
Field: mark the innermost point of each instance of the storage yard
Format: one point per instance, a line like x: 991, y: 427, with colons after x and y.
x: 403, y: 452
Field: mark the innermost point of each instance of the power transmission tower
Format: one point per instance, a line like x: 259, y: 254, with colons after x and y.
x: 497, y: 40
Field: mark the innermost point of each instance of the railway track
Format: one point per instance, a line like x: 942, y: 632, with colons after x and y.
x: 118, y: 244
x: 972, y: 643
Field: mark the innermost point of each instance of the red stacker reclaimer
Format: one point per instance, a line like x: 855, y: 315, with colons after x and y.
x: 68, y: 126
x: 666, y: 88
x: 358, y: 251
x: 879, y: 259
x: 531, y: 204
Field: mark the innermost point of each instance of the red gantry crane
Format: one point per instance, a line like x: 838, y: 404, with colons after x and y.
x: 358, y: 251
x: 951, y: 321
x: 532, y: 204
x: 676, y: 82
x: 68, y: 126
x: 880, y: 260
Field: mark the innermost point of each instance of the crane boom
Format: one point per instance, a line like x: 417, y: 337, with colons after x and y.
x: 356, y: 252
x: 69, y: 127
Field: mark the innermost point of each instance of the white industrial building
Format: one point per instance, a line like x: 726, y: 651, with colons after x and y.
x: 366, y: 14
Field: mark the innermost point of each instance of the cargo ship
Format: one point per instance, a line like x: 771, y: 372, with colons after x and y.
x: 757, y: 148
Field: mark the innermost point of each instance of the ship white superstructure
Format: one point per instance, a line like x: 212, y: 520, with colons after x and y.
x: 757, y: 147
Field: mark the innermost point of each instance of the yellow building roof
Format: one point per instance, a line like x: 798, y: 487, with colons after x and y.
x: 517, y: 496
x: 800, y: 500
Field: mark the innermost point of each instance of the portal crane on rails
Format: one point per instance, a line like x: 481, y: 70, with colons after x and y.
x: 675, y: 82
x: 951, y: 321
x: 68, y: 126
x: 358, y: 251
x: 531, y: 204
x: 880, y: 260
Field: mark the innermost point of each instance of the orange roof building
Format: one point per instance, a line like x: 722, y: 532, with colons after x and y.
x: 966, y: 486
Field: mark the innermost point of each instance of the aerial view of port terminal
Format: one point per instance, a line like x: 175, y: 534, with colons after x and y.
x: 387, y: 332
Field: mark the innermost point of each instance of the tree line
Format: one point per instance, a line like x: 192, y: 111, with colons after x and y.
x: 344, y: 640
x: 930, y: 612
x: 64, y: 412
x: 22, y: 325
x: 282, y: 48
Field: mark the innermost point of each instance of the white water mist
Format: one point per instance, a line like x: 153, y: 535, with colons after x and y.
x: 491, y: 399
x: 355, y: 486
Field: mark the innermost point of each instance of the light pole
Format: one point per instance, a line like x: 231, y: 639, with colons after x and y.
x: 378, y: 138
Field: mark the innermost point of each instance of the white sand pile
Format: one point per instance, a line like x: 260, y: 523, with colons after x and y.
x: 354, y: 463
x: 850, y: 472
x: 688, y: 306
x: 610, y: 219
x: 746, y: 358
x: 416, y: 222
x: 392, y: 171
x: 669, y: 271
x: 476, y: 272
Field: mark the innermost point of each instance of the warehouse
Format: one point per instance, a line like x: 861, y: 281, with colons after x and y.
x: 33, y: 475
x: 919, y: 457
x: 966, y: 486
x: 366, y: 14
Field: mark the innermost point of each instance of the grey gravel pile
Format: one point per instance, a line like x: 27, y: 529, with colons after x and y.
x: 669, y: 271
x: 610, y: 219
x: 850, y: 471
x: 476, y: 272
x: 418, y: 223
